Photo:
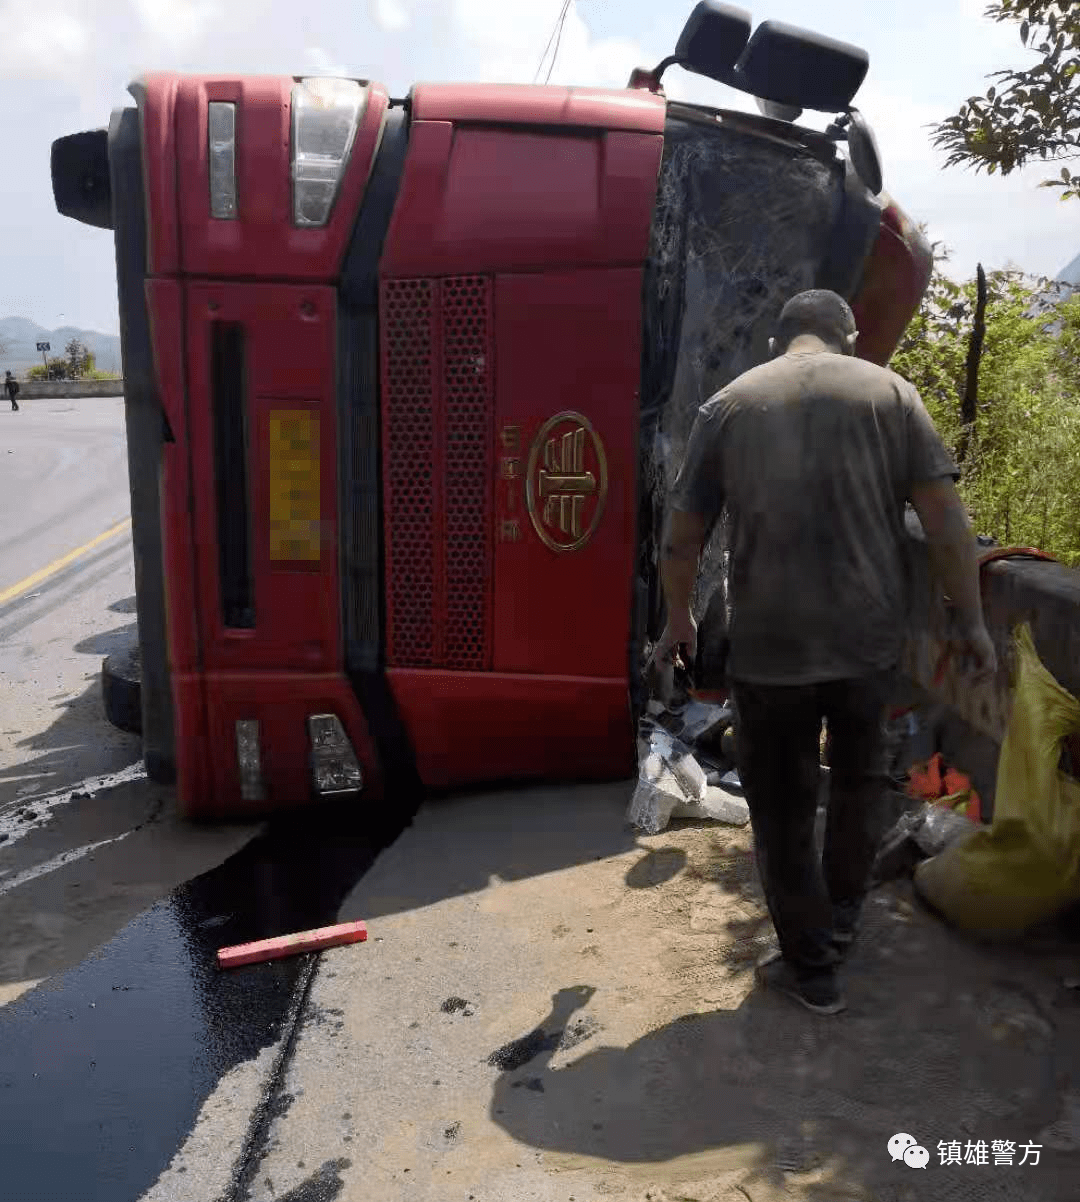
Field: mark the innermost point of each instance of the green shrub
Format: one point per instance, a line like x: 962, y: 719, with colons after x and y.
x: 1023, y: 457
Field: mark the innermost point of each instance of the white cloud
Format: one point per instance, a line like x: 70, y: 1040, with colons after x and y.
x: 323, y: 63
x: 181, y: 22
x: 43, y: 41
x: 509, y: 41
x: 391, y: 16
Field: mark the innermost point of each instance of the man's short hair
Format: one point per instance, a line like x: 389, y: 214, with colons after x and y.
x: 824, y: 314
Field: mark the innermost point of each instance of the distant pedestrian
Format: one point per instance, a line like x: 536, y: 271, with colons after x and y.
x: 12, y: 386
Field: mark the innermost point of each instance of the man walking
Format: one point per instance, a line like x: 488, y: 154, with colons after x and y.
x: 12, y: 386
x: 814, y: 455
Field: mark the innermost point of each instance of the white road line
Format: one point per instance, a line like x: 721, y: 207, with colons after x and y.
x: 17, y: 828
x: 60, y: 861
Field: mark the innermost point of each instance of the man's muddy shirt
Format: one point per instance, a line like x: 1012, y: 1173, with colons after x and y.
x: 814, y: 456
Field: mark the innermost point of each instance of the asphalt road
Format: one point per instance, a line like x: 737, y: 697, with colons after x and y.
x: 115, y: 1025
x: 63, y: 480
x: 63, y: 486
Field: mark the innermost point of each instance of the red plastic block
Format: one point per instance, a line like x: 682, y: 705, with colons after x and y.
x: 291, y: 945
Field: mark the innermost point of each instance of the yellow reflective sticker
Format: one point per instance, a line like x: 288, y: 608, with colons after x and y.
x: 294, y: 486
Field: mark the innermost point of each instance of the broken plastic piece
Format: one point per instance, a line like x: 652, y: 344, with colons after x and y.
x: 667, y: 775
x: 292, y: 945
x: 718, y: 806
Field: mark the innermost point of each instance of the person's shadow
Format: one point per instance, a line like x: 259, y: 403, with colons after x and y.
x: 660, y: 1098
x: 747, y: 1093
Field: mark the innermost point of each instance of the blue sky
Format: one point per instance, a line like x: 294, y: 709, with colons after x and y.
x: 67, y: 64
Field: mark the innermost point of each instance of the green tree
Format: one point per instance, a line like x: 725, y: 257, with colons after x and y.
x: 77, y: 355
x: 1024, y: 448
x: 1030, y: 113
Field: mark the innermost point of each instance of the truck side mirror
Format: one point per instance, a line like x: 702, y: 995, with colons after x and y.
x: 713, y: 38
x: 80, y: 178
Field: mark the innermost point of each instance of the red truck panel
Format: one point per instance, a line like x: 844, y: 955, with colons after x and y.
x: 478, y: 200
x: 567, y: 343
x: 156, y: 95
x: 531, y: 104
x: 165, y: 306
x: 280, y: 702
x: 522, y: 201
x: 290, y: 367
x: 474, y: 727
x: 262, y: 241
x: 893, y: 285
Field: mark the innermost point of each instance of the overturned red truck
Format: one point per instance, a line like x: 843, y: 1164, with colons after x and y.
x: 406, y: 382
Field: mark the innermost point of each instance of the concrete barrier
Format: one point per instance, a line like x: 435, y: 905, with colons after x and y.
x: 966, y: 719
x: 32, y: 389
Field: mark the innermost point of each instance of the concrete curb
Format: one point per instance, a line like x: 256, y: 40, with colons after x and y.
x: 39, y: 389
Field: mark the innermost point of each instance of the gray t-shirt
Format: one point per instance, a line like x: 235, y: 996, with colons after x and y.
x: 814, y: 456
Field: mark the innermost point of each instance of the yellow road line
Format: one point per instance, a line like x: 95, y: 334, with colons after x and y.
x: 57, y: 565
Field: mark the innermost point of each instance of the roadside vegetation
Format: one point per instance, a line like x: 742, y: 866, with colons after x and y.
x: 1014, y: 424
x: 1017, y: 438
x: 77, y: 363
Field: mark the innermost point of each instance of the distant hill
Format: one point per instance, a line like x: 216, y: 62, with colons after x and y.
x: 20, y: 336
x: 1071, y: 274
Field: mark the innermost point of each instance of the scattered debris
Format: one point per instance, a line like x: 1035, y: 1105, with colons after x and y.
x: 918, y: 835
x: 453, y: 1131
x: 218, y: 920
x: 673, y: 784
x: 719, y: 805
x: 455, y: 1005
x: 936, y: 781
x: 659, y: 788
x: 291, y: 945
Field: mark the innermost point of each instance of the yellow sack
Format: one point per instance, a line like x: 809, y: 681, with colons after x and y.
x: 1026, y: 866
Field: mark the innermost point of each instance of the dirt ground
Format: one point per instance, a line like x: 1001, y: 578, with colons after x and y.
x: 551, y: 1008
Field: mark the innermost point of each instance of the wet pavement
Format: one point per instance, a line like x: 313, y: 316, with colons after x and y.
x: 122, y: 1051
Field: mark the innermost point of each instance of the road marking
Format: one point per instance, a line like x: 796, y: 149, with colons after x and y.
x: 61, y: 861
x: 57, y: 565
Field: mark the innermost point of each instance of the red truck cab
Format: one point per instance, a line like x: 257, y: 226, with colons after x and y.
x: 406, y: 382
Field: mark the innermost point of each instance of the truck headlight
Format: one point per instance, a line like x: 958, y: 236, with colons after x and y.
x: 325, y: 116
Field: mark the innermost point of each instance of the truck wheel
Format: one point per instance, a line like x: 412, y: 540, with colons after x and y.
x: 121, y: 688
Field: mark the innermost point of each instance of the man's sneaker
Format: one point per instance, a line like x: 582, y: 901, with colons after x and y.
x: 844, y: 929
x: 817, y: 992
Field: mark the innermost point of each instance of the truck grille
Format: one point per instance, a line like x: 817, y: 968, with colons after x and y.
x: 437, y: 471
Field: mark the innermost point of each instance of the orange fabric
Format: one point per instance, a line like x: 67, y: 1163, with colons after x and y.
x: 934, y: 781
x: 924, y: 780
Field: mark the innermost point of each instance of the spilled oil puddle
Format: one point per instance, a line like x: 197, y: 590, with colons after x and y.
x: 518, y: 1052
x: 104, y: 1068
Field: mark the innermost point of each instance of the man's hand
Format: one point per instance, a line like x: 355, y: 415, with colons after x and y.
x: 972, y: 651
x: 681, y: 630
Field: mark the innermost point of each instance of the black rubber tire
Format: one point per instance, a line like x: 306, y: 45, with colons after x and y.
x: 121, y: 690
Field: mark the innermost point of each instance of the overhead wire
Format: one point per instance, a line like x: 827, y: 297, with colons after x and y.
x: 556, y: 37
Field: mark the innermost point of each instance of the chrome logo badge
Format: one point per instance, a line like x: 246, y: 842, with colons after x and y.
x: 566, y: 482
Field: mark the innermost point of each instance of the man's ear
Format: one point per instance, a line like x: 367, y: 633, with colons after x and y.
x: 850, y: 341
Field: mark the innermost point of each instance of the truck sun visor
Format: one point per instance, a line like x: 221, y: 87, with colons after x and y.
x: 325, y: 116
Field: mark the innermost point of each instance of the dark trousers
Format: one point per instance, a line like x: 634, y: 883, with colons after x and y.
x: 778, y: 738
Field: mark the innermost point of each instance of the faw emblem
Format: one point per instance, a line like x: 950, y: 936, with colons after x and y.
x: 566, y: 482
